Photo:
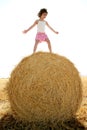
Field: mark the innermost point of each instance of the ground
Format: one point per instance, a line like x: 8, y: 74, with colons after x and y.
x: 7, y: 121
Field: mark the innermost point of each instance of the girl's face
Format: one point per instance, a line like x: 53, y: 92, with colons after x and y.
x: 43, y: 16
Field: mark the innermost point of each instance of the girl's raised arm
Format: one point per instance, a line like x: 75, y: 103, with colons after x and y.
x: 25, y: 31
x: 51, y: 28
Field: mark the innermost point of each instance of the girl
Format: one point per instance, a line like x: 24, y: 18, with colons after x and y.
x: 41, y: 35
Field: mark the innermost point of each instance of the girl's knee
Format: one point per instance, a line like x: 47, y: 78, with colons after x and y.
x: 48, y: 41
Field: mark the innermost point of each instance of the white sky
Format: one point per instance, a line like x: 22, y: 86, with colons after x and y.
x: 68, y: 17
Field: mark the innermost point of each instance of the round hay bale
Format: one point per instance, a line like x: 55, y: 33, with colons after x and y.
x: 44, y: 86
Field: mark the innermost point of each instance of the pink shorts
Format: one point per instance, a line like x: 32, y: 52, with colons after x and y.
x: 41, y: 36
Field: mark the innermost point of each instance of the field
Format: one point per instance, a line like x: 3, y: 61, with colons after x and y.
x: 7, y: 122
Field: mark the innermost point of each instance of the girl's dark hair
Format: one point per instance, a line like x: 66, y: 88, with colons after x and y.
x: 42, y: 11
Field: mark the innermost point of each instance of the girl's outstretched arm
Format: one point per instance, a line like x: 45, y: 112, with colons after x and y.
x: 25, y: 31
x: 51, y: 28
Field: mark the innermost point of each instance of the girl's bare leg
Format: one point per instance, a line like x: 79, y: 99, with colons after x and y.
x: 49, y: 45
x: 35, y: 46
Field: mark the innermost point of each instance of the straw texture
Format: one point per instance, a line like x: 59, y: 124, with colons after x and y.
x: 44, y: 87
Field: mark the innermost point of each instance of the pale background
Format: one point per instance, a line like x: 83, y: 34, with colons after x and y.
x: 69, y: 17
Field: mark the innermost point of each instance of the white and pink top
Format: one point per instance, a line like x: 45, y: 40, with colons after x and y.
x: 41, y: 26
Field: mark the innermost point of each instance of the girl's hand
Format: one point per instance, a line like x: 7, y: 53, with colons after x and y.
x: 25, y: 31
x: 57, y: 32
